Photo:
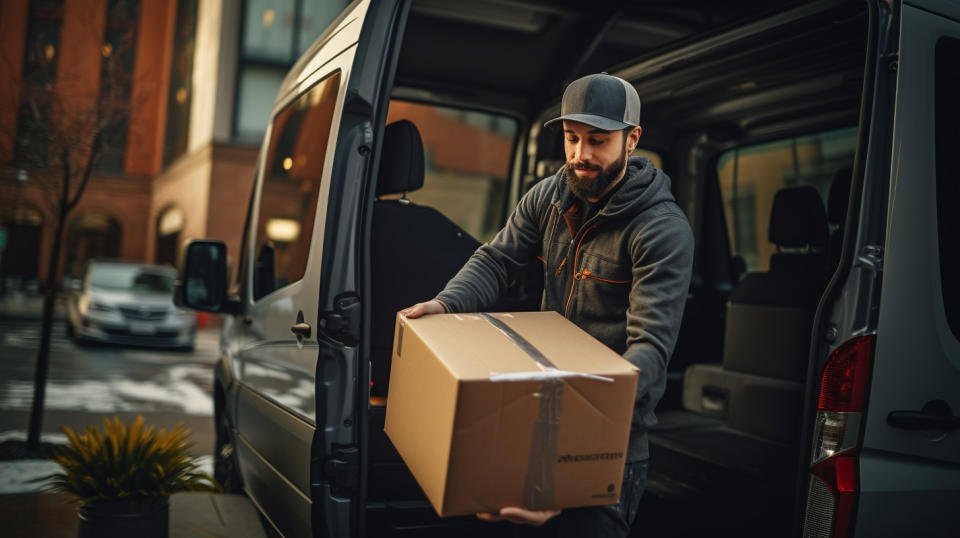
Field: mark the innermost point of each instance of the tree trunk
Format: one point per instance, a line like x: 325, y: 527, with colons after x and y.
x: 46, y: 327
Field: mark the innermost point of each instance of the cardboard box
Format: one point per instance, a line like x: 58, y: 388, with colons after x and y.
x: 484, y: 421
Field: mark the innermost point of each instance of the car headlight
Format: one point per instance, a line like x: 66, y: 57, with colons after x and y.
x: 100, y: 307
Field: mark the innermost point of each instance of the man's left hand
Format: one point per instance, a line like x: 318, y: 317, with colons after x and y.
x: 521, y: 516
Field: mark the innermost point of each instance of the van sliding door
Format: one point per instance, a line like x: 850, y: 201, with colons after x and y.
x: 300, y: 378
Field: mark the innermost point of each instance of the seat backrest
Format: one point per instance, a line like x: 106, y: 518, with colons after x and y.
x: 414, y: 250
x: 769, y: 315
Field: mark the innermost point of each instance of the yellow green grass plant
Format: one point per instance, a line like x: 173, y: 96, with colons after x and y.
x: 126, y: 461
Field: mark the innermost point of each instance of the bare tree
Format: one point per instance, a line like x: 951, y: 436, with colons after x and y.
x: 65, y: 127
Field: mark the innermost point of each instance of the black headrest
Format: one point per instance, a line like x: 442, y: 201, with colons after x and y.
x: 798, y: 218
x: 401, y: 162
x: 839, y: 194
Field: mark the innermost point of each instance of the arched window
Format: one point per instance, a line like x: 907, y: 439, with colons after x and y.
x: 169, y: 225
x: 91, y: 234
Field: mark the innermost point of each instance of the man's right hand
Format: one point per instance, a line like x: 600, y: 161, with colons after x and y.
x: 432, y: 306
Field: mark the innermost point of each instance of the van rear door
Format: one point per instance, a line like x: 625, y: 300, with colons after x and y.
x: 910, y: 459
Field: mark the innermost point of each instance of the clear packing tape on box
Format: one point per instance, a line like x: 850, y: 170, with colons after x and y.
x: 540, y: 481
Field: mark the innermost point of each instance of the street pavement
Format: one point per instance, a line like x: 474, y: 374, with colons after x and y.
x: 86, y: 384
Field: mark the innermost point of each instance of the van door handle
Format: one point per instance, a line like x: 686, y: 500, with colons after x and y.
x: 935, y: 415
x: 302, y: 330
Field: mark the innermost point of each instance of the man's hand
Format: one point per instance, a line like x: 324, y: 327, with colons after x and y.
x: 521, y: 516
x: 432, y: 306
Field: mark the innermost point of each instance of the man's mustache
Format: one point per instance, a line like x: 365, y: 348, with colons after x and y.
x: 585, y: 166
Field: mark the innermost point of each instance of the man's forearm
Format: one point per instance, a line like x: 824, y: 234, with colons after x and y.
x: 476, y: 286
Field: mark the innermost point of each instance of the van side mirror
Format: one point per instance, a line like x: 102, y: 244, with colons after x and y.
x: 202, y: 279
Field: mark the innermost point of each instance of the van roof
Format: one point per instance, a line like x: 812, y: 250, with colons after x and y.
x: 517, y: 55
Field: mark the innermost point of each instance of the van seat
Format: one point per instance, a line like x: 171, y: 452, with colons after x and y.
x: 414, y: 249
x: 746, y: 402
x: 758, y: 387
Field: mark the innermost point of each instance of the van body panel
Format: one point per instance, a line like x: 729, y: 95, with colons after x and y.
x: 917, y: 358
x: 946, y: 8
x: 277, y: 406
x: 286, y: 510
x: 906, y: 497
x: 280, y: 438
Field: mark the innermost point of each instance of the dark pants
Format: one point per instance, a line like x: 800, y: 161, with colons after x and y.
x: 612, y: 520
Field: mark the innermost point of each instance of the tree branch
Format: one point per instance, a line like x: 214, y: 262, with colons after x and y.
x: 87, y: 169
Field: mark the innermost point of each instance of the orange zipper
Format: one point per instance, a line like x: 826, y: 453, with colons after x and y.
x: 587, y: 274
x: 576, y: 255
x: 560, y: 268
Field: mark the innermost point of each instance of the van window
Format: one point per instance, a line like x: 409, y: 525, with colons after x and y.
x: 240, y: 272
x: 750, y: 176
x: 291, y: 183
x: 947, y: 122
x: 467, y: 162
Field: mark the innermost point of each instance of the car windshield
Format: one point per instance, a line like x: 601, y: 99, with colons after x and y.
x: 119, y: 277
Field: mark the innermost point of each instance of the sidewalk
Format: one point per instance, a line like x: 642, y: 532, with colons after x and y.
x: 192, y: 515
x: 23, y: 306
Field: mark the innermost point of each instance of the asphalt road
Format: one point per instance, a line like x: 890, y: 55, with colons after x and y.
x: 87, y: 383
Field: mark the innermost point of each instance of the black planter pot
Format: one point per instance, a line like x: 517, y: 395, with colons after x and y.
x: 143, y: 517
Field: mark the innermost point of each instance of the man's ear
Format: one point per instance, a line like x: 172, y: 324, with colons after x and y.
x: 633, y: 138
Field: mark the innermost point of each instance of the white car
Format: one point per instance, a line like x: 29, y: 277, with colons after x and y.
x: 128, y: 304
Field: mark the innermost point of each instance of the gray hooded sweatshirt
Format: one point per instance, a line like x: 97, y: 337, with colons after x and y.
x: 622, y: 276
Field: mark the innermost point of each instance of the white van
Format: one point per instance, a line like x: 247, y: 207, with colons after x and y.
x: 815, y: 388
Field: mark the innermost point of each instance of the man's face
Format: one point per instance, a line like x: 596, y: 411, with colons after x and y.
x: 596, y: 159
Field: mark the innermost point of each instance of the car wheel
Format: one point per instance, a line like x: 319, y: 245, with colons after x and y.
x: 225, y: 468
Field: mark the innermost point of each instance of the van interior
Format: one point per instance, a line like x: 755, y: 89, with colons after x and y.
x: 752, y: 108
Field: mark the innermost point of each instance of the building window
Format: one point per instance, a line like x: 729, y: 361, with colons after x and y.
x: 947, y: 124
x: 116, y: 77
x: 181, y: 87
x: 292, y: 174
x: 750, y: 177
x: 274, y: 34
x: 169, y: 225
x: 39, y: 78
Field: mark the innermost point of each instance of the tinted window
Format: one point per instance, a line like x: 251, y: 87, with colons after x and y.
x: 947, y: 122
x: 468, y: 158
x: 131, y: 278
x: 750, y: 177
x: 291, y: 183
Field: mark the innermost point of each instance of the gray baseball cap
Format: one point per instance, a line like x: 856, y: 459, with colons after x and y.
x: 602, y: 101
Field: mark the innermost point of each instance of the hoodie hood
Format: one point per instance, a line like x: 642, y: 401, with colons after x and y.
x: 643, y: 186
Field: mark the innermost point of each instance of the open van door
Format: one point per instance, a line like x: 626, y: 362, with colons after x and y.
x: 909, y: 464
x: 300, y: 379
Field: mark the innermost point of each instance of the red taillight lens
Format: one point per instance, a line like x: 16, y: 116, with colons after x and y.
x: 843, y: 385
x: 839, y: 473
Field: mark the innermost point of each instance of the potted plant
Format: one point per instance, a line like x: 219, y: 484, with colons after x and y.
x: 122, y: 477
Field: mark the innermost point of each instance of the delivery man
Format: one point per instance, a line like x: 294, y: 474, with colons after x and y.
x: 617, y: 252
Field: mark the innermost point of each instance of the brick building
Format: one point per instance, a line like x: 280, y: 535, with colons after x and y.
x: 203, y: 76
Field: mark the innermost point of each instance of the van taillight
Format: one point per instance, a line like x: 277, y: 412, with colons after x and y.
x: 843, y: 385
x: 831, y: 498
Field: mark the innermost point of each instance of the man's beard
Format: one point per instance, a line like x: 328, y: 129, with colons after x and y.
x: 585, y: 188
